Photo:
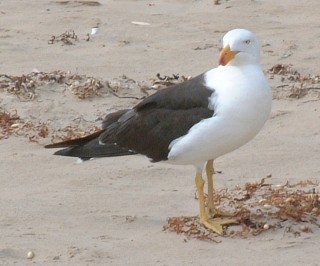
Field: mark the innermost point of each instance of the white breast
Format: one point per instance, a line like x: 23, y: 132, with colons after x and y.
x: 242, y: 104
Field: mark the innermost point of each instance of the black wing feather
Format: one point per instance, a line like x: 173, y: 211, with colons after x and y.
x: 166, y: 115
x: 93, y: 149
x: 89, y: 146
x: 149, y: 127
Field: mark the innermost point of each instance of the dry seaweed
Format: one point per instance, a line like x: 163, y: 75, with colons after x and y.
x: 88, y: 89
x: 68, y: 38
x: 294, y: 84
x: 13, y: 124
x: 71, y: 132
x: 164, y: 81
x: 260, y: 207
x: 80, y: 2
x: 190, y: 227
x: 24, y: 87
x: 82, y: 86
x: 9, y: 122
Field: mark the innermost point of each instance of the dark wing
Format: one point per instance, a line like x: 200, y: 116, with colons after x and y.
x: 89, y: 146
x: 166, y: 115
x: 149, y: 127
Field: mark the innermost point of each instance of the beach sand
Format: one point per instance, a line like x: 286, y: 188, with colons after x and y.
x: 112, y: 211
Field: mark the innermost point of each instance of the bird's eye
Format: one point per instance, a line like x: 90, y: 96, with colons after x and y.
x: 247, y: 41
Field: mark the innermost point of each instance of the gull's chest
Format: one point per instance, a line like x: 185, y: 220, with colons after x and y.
x: 241, y: 94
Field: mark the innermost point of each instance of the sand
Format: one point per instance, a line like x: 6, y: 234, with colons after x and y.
x: 111, y: 211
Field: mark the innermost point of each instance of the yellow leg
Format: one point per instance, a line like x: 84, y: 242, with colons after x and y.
x: 200, y: 185
x: 212, y: 210
x: 216, y: 225
x: 210, y: 171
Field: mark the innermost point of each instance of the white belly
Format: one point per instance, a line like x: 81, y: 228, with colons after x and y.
x: 241, y: 109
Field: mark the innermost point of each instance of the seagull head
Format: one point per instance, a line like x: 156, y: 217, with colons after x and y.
x: 240, y: 47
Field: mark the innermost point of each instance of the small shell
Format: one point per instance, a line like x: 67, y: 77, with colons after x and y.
x: 267, y: 206
x: 94, y: 30
x: 266, y: 226
x: 140, y: 23
x: 156, y: 86
x: 75, y: 84
x: 14, y: 126
x: 30, y: 255
x: 304, y: 228
x: 289, y: 200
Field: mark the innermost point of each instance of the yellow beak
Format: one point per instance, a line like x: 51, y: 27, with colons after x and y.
x: 226, y: 55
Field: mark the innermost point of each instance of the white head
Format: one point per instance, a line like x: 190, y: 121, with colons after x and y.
x: 240, y: 47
